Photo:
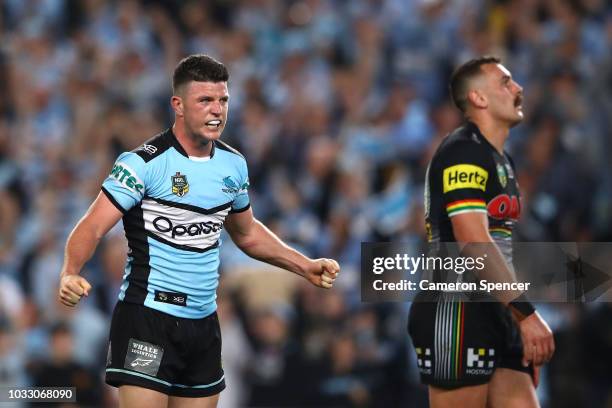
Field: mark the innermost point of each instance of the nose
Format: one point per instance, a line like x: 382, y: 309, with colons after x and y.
x: 216, y: 108
x: 519, y: 89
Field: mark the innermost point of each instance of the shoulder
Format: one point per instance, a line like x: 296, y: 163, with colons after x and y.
x: 229, y: 153
x: 154, y: 147
x: 227, y: 148
x: 463, y: 145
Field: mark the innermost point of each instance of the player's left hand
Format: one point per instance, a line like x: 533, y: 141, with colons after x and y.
x: 323, y: 272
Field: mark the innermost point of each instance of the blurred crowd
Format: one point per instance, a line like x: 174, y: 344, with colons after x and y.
x: 337, y: 106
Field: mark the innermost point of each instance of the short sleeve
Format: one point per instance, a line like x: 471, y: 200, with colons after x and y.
x: 464, y: 172
x: 241, y: 199
x: 125, y: 186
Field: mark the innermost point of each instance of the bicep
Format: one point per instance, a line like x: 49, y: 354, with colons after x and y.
x: 239, y: 224
x: 101, y: 216
x: 471, y: 226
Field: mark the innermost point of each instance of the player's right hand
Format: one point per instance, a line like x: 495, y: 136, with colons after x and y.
x: 72, y: 289
x: 538, y: 341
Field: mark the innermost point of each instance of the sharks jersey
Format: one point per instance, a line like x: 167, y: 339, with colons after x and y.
x: 173, y: 210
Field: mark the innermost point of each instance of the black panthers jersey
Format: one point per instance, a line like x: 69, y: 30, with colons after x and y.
x: 468, y: 174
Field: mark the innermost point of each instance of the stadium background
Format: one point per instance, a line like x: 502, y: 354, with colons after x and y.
x: 337, y: 106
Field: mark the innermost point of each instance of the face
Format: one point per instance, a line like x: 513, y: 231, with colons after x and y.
x: 504, y: 97
x: 203, y: 107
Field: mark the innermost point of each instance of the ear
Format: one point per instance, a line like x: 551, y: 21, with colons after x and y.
x: 177, y: 105
x: 477, y: 99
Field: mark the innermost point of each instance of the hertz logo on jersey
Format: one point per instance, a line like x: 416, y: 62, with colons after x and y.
x: 126, y: 176
x: 464, y: 176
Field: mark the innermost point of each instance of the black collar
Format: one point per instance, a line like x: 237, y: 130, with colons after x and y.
x: 175, y: 143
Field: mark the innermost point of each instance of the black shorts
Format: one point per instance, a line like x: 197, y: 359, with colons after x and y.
x: 173, y: 355
x: 462, y: 343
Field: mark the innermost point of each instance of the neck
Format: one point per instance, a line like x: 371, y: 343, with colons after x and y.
x: 493, y: 131
x: 192, y: 144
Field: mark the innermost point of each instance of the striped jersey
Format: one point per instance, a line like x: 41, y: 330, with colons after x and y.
x: 174, y: 207
x: 466, y: 174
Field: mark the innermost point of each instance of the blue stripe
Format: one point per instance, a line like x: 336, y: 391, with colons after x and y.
x: 148, y: 377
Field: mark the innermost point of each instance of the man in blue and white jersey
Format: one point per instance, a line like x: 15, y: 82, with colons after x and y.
x: 175, y: 194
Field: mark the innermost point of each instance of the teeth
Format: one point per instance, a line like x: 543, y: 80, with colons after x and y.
x: 215, y: 122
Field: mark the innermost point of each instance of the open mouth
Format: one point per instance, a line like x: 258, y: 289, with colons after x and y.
x: 518, y: 102
x: 213, y: 124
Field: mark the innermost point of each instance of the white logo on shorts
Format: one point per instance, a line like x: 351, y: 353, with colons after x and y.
x: 141, y: 362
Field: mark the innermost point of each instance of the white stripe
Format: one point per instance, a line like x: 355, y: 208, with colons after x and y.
x: 449, y: 340
x: 446, y: 332
x: 436, y: 341
x: 181, y: 226
x: 468, y: 210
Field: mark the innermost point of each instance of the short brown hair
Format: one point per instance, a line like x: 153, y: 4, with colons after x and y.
x: 200, y: 68
x: 463, y: 74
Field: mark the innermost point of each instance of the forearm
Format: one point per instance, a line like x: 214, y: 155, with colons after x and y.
x: 496, y: 268
x: 80, y: 247
x: 263, y: 245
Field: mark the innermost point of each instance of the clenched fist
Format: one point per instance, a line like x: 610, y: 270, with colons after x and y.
x: 72, y: 289
x: 322, y: 272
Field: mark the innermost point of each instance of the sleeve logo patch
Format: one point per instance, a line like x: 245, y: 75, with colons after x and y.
x: 232, y: 188
x: 464, y: 176
x: 127, y: 177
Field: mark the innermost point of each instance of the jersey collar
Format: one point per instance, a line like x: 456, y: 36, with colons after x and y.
x: 175, y: 143
x: 474, y: 130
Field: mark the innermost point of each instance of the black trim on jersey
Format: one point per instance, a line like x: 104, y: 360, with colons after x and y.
x: 175, y: 143
x: 161, y: 142
x: 182, y: 247
x: 138, y: 278
x: 190, y: 207
x: 224, y: 146
x: 154, y: 146
x: 232, y: 211
x: 112, y: 200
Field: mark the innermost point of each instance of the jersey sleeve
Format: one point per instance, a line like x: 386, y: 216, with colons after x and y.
x: 125, y: 185
x: 464, y: 174
x: 241, y: 199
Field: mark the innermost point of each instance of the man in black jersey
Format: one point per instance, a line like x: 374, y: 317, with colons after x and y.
x: 477, y: 354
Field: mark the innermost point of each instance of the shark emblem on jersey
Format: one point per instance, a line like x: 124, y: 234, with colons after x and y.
x: 180, y: 186
x: 233, y: 188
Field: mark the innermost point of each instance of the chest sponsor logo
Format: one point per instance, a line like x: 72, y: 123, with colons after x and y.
x: 232, y: 187
x: 464, y: 176
x: 180, y: 186
x: 143, y: 357
x: 126, y: 177
x: 501, y: 174
x: 504, y: 207
x: 165, y: 225
x: 182, y: 226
